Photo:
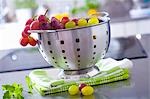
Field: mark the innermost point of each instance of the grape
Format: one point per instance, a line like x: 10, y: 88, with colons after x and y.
x: 24, y: 41
x: 25, y: 34
x: 35, y: 25
x: 54, y: 19
x: 29, y: 21
x: 87, y: 90
x: 61, y: 26
x: 73, y: 90
x: 93, y: 21
x: 92, y: 12
x: 82, y: 86
x: 32, y: 41
x: 70, y: 24
x: 61, y: 15
x: 27, y: 27
x: 44, y: 26
x: 55, y: 23
x: 76, y: 21
x: 42, y: 18
x: 64, y: 20
x: 82, y: 22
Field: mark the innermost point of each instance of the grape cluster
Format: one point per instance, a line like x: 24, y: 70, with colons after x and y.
x: 42, y: 22
x: 86, y: 90
x: 26, y: 38
x: 36, y: 23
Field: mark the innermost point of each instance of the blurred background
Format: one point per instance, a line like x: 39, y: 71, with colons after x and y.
x: 128, y: 17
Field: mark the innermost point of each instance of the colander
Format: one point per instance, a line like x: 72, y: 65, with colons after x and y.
x: 77, y: 50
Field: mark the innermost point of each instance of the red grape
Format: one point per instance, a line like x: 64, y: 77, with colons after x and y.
x: 29, y: 21
x: 64, y: 20
x: 44, y: 25
x: 55, y: 23
x: 32, y: 41
x: 27, y: 27
x: 61, y: 26
x: 42, y: 18
x: 35, y: 25
x: 24, y: 41
x: 76, y: 21
x: 54, y: 19
x: 82, y: 85
x: 25, y: 34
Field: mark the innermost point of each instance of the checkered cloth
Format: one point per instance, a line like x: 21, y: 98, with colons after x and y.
x: 111, y: 70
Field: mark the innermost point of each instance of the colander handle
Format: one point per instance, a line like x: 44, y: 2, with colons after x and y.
x: 104, y: 16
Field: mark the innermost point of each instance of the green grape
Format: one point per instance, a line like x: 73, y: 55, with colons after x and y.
x: 70, y: 24
x: 93, y: 21
x: 87, y: 90
x: 73, y: 90
x: 82, y: 22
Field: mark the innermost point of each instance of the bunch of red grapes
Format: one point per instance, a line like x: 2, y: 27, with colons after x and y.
x: 42, y: 22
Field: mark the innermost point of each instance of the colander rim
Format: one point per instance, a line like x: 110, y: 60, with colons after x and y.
x: 104, y: 19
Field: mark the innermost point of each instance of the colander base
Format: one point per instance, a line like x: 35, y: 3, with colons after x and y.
x: 77, y: 74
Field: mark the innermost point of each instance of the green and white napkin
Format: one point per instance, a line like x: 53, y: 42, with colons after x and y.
x: 111, y: 70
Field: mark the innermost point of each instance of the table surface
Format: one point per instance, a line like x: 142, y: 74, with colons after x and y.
x: 137, y: 87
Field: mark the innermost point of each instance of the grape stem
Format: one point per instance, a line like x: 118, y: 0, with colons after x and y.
x: 34, y: 17
x: 45, y: 12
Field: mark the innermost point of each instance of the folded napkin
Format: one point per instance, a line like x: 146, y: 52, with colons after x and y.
x: 110, y: 71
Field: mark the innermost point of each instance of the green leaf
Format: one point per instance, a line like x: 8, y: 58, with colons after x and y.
x: 20, y: 97
x: 6, y: 95
x: 29, y: 84
x: 13, y: 91
x: 8, y: 87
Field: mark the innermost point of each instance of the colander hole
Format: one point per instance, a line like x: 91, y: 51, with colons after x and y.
x: 107, y: 32
x: 106, y: 42
x: 78, y: 49
x: 49, y: 43
x: 40, y: 37
x: 55, y: 62
x: 51, y: 51
x: 63, y: 51
x: 93, y: 58
x: 94, y: 46
x: 61, y: 42
x: 41, y: 50
x: 78, y: 60
x: 94, y: 36
x: 78, y: 55
x: 64, y: 57
x: 53, y: 57
x: 94, y: 52
x: 77, y: 40
x: 66, y: 62
x: 78, y: 64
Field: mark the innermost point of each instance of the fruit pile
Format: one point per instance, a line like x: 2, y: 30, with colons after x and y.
x: 42, y: 22
x: 85, y: 89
